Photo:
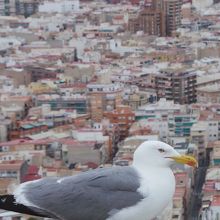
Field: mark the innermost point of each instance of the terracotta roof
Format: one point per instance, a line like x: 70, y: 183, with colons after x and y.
x: 27, y: 142
x: 72, y: 142
x: 11, y: 165
x: 180, y: 174
x: 67, y: 141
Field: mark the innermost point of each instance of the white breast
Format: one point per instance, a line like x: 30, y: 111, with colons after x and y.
x: 158, y: 187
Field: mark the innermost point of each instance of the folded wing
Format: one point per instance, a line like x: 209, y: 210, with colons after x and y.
x: 93, y: 195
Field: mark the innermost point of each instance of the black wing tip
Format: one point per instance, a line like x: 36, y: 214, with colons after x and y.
x: 8, y: 202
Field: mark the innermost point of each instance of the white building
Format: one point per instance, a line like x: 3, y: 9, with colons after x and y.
x: 213, y: 130
x: 202, y: 4
x: 161, y: 109
x: 156, y: 125
x: 115, y: 45
x: 59, y: 6
x: 106, y: 88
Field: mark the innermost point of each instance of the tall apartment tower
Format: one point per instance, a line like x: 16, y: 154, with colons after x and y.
x: 172, y: 10
x: 152, y: 21
x: 177, y: 85
x: 26, y: 7
x: 159, y: 17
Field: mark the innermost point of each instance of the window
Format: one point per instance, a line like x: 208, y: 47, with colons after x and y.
x: 178, y: 119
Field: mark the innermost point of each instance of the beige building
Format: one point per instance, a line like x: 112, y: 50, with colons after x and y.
x: 19, y: 76
x: 79, y: 73
x: 208, y: 51
x: 209, y: 94
x: 199, y: 136
x: 136, y: 100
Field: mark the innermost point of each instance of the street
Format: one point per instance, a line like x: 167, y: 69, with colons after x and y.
x: 196, y: 195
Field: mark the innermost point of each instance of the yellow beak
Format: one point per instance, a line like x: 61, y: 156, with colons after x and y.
x: 186, y: 159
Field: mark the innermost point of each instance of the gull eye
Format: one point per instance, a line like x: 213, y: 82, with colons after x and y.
x: 161, y: 150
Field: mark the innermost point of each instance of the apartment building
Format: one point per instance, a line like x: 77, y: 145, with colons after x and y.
x: 181, y: 196
x: 211, y: 199
x: 199, y: 136
x: 7, y: 7
x: 151, y: 20
x: 26, y: 7
x: 59, y: 6
x: 27, y: 129
x: 178, y: 85
x: 13, y: 169
x: 159, y: 18
x: 133, y: 24
x: 172, y: 10
x: 18, y: 7
x: 103, y: 97
x: 161, y: 109
x: 73, y: 150
x: 180, y: 125
x: 124, y: 117
x: 209, y: 94
x: 209, y: 114
x: 57, y: 102
x: 38, y: 72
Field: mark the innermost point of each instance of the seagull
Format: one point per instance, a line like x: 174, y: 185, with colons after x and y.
x: 139, y: 191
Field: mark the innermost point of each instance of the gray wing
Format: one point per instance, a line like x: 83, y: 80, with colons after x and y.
x: 93, y: 195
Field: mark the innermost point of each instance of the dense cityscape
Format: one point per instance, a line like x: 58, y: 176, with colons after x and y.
x: 83, y: 83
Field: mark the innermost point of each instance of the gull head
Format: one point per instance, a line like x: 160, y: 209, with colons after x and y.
x: 160, y: 154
